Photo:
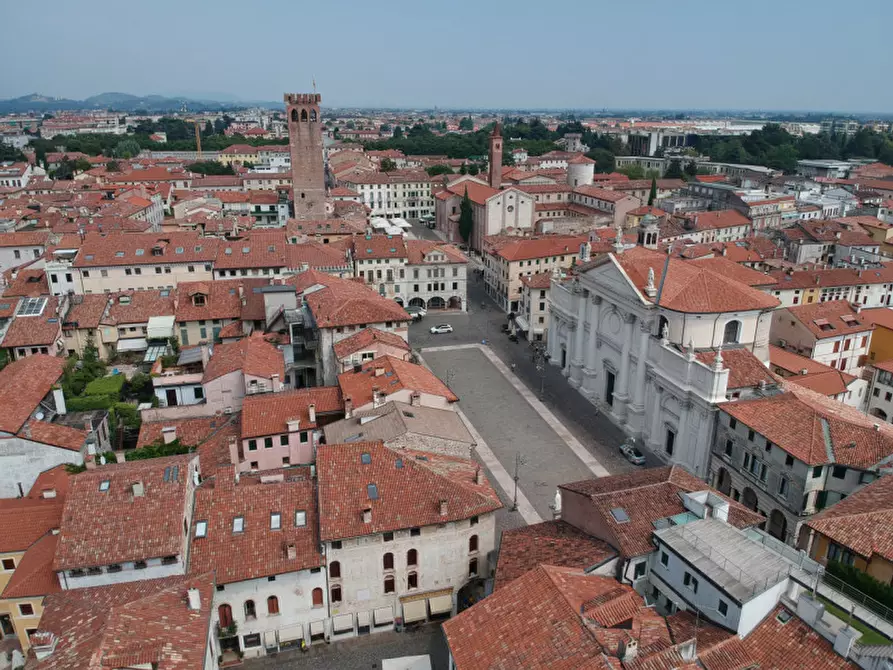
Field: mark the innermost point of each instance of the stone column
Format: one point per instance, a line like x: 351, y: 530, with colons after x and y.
x: 655, y: 438
x: 552, y: 341
x: 682, y: 434
x: 576, y: 372
x: 621, y: 395
x: 590, y: 372
x: 638, y: 402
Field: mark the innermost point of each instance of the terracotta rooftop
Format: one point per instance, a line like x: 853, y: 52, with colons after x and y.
x: 647, y: 495
x: 815, y: 429
x: 809, y: 373
x: 121, y: 526
x: 862, y: 521
x: 133, y: 624
x: 745, y: 369
x: 24, y: 520
x: 209, y: 434
x: 525, y: 248
x: 268, y: 413
x: 336, y: 302
x: 23, y: 384
x: 145, y: 249
x: 222, y: 298
x: 257, y: 550
x: 832, y: 318
x: 390, y: 375
x: 251, y: 355
x: 34, y: 574
x: 549, y: 543
x: 402, y: 488
x: 367, y: 338
x: 801, y: 279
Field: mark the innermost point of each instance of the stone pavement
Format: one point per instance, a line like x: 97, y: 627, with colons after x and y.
x: 361, y: 653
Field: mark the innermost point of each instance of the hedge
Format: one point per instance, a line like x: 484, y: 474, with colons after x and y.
x: 159, y: 450
x: 109, y: 386
x: 86, y: 403
x: 867, y: 584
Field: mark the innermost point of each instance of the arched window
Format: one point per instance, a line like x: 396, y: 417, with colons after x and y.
x: 317, y: 597
x: 412, y: 581
x: 335, y: 570
x: 335, y: 594
x: 272, y: 605
x: 388, y: 584
x: 412, y: 557
x: 732, y: 332
x: 294, y: 115
x: 313, y: 115
x: 388, y: 561
x: 250, y: 611
x: 473, y: 567
x: 225, y: 615
x: 473, y: 543
x: 303, y: 115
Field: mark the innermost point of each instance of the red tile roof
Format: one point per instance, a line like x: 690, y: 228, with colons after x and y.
x: 832, y: 318
x: 407, y: 495
x: 798, y: 420
x: 818, y: 377
x: 24, y: 520
x: 540, y: 280
x: 802, y: 279
x: 344, y: 302
x: 257, y: 551
x: 862, y: 521
x: 134, y: 624
x: 603, y: 194
x: 378, y: 246
x: 140, y: 249
x: 23, y: 384
x: 524, y: 248
x: 86, y: 311
x: 478, y: 193
x: 27, y: 284
x: 222, y: 298
x: 54, y: 479
x: 733, y: 270
x: 366, y: 338
x: 209, y: 435
x: 136, y: 307
x: 690, y: 287
x: 395, y: 375
x: 549, y: 543
x: 34, y: 574
x: 745, y: 369
x: 54, y: 434
x: 121, y: 527
x: 24, y: 239
x: 647, y: 495
x: 789, y: 646
x: 268, y: 413
x: 251, y: 355
x: 417, y: 250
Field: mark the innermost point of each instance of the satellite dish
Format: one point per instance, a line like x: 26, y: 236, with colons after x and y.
x: 39, y: 416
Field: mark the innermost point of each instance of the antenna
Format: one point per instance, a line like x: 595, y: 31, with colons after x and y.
x: 314, y: 84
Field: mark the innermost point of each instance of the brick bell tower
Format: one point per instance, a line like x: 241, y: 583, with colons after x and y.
x: 305, y: 145
x: 496, y: 157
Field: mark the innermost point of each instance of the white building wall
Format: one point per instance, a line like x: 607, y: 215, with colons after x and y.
x: 22, y: 460
x: 129, y: 573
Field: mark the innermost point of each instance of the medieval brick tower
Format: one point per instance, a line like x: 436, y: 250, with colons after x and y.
x: 496, y: 157
x: 305, y: 144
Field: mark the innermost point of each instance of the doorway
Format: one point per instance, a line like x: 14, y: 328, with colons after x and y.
x: 563, y: 358
x: 171, y: 397
x: 609, y: 388
x: 6, y: 627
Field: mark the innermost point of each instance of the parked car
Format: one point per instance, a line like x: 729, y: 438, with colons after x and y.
x: 632, y: 454
x: 416, y: 312
x: 442, y: 328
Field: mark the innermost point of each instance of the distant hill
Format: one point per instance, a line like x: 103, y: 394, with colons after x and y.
x: 121, y: 102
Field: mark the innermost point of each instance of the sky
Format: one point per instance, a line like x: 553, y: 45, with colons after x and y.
x: 649, y: 54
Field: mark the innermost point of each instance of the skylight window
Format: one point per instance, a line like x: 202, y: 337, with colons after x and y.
x: 178, y: 250
x: 104, y: 485
x: 31, y: 306
x: 140, y: 252
x: 198, y: 249
x: 201, y: 528
x: 119, y: 254
x: 300, y: 519
x: 365, y: 458
x: 620, y: 515
x: 238, y: 524
x: 372, y: 490
x: 275, y: 521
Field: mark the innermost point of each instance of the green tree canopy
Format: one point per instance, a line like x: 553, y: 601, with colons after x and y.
x: 653, y: 194
x: 438, y: 169
x: 466, y: 217
x: 387, y: 165
x: 211, y: 168
x: 127, y: 149
x: 674, y: 170
x: 466, y: 123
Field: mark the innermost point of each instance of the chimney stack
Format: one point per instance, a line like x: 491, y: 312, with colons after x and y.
x: 478, y: 476
x: 291, y: 551
x: 443, y: 508
x: 348, y: 407
x: 138, y: 490
x: 294, y: 424
x: 195, y: 599
x: 311, y: 409
x: 367, y: 515
x: 379, y: 371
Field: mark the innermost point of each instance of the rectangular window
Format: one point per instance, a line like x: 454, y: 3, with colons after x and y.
x: 838, y: 472
x: 9, y: 564
x: 733, y: 423
x: 783, y: 487
x: 723, y: 608
x: 304, y: 437
x: 388, y: 537
x: 26, y: 609
x: 201, y: 528
x: 275, y: 521
x: 817, y: 471
x: 728, y: 447
x: 639, y: 570
x: 300, y: 519
x: 283, y: 440
x: 268, y: 443
x: 252, y: 445
x: 664, y: 558
x: 238, y: 524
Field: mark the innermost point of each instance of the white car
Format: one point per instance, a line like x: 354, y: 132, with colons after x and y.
x: 416, y: 312
x: 442, y: 328
x: 632, y: 454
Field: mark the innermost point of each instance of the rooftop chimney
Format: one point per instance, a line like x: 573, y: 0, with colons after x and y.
x: 379, y: 371
x: 628, y: 650
x: 415, y: 399
x: 348, y: 407
x: 311, y: 409
x: 443, y: 508
x: 169, y: 434
x: 291, y: 551
x: 478, y: 476
x: 367, y: 515
x: 294, y: 424
x: 195, y: 599
x: 138, y: 490
x: 274, y: 382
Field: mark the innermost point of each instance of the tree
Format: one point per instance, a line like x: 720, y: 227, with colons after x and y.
x: 384, y: 128
x: 209, y: 129
x: 466, y: 123
x: 438, y: 169
x: 398, y: 132
x: 604, y: 160
x: 463, y: 169
x: 674, y: 169
x: 653, y: 194
x: 466, y: 217
x: 211, y: 168
x: 350, y: 125
x: 473, y: 169
x: 127, y: 149
x: 691, y: 170
x: 633, y: 171
x: 112, y: 166
x: 387, y: 165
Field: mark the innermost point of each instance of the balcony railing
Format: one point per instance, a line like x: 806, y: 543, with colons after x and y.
x: 857, y: 596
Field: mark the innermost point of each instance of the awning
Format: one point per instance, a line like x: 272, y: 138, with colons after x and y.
x: 416, y: 610
x: 270, y: 639
x: 160, y: 327
x: 291, y: 633
x: 383, y: 616
x: 317, y: 627
x: 363, y: 619
x: 343, y: 623
x: 440, y: 604
x: 521, y: 322
x: 133, y: 344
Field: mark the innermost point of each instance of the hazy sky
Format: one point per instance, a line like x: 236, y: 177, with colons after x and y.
x: 760, y: 54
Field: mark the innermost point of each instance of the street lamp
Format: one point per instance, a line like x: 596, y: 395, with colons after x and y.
x: 519, y: 461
